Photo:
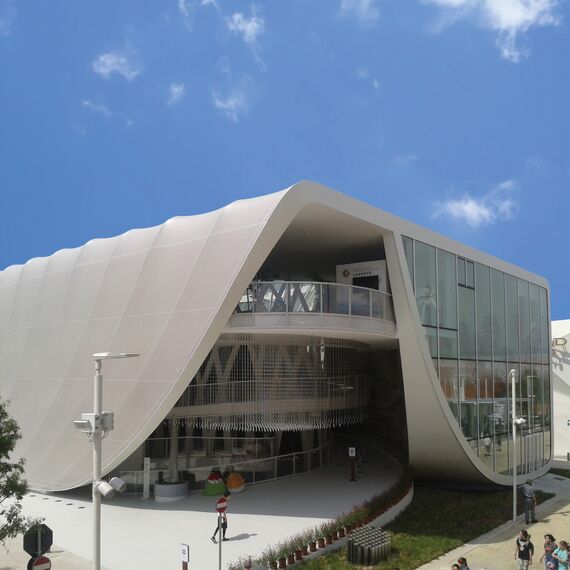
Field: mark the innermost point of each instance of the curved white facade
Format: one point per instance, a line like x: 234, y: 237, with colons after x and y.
x: 168, y: 293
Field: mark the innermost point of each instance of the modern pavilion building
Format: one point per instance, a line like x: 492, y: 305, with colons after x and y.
x: 264, y: 326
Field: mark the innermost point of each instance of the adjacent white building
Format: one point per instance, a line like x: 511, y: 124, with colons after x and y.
x: 561, y: 391
x: 263, y: 326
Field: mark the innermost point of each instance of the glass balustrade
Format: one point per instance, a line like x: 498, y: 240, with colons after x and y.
x: 313, y: 297
x: 256, y: 470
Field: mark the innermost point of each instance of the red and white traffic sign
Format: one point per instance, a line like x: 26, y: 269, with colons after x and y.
x: 221, y: 505
x: 42, y: 563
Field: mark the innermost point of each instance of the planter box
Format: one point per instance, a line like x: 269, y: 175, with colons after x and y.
x: 170, y: 492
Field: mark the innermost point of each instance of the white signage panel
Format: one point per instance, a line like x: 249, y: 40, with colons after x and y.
x: 184, y: 553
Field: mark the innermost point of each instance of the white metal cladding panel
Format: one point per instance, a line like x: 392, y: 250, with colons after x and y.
x: 153, y: 291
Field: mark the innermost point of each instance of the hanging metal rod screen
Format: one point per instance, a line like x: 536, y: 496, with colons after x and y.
x: 277, y: 382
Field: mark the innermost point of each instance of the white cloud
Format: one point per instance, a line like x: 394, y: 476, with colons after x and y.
x: 104, y: 111
x: 363, y: 74
x: 183, y: 7
x: 493, y: 207
x: 213, y: 3
x: 248, y: 28
x: 509, y: 184
x: 176, y: 93
x: 186, y: 10
x: 233, y: 106
x: 508, y: 18
x: 536, y: 164
x: 7, y: 17
x: 119, y: 62
x: 404, y: 160
x: 365, y: 11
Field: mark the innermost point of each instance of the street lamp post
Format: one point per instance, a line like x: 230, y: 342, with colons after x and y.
x: 515, y: 422
x: 97, y: 425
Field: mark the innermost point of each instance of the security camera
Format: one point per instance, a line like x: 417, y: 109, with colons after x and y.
x: 104, y: 489
x: 118, y: 484
x: 520, y: 421
x: 83, y: 425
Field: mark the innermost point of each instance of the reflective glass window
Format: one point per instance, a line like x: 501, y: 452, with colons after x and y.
x: 447, y: 289
x: 447, y: 343
x: 524, y: 320
x: 501, y: 414
x: 485, y: 385
x: 483, y: 297
x: 537, y: 393
x: 431, y: 337
x: 525, y: 397
x: 448, y: 378
x: 498, y: 314
x: 469, y: 274
x: 535, y: 344
x: 466, y: 323
x: 461, y: 271
x: 468, y: 398
x: 409, y: 251
x: 512, y: 319
x: 544, y: 324
x: 487, y: 441
x: 426, y: 293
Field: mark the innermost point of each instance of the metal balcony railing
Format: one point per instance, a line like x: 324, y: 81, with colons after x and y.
x: 293, y: 297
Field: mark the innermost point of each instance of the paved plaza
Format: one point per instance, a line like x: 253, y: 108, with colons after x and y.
x: 142, y: 534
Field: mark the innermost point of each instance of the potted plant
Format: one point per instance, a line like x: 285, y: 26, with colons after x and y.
x: 326, y: 531
x: 291, y: 558
x: 298, y: 543
x: 313, y: 536
x: 281, y: 554
x: 268, y: 558
x: 307, y: 538
x: 322, y: 533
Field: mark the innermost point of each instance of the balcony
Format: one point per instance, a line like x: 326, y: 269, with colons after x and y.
x: 312, y: 305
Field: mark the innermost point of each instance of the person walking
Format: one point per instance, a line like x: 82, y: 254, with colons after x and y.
x: 224, y: 526
x: 524, y: 550
x: 224, y: 521
x: 560, y: 554
x: 529, y: 498
x: 550, y: 546
x: 463, y: 563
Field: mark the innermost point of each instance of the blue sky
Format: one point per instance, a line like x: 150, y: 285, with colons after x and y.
x: 451, y: 113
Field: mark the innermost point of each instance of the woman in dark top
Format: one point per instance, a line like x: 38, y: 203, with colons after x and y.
x: 524, y: 550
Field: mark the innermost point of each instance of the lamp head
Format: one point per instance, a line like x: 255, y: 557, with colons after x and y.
x: 110, y: 355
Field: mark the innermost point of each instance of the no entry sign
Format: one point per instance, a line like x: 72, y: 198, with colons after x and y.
x: 221, y: 505
x: 41, y: 563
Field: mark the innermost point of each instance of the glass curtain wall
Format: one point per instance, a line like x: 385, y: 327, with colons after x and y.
x: 480, y: 323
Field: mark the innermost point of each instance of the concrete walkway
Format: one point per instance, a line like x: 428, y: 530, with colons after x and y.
x: 142, y: 534
x: 495, y: 550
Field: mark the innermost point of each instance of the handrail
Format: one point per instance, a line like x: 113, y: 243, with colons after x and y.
x: 134, y: 477
x: 293, y: 297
